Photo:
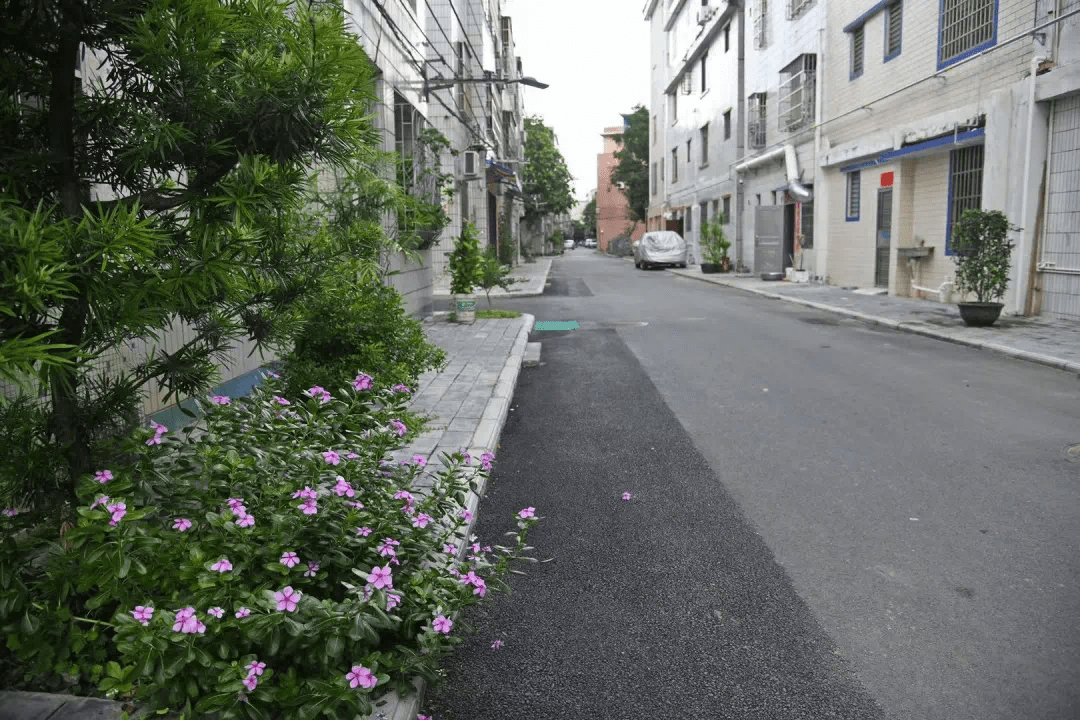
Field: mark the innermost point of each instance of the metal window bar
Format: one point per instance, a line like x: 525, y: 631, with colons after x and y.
x: 965, y: 24
x: 675, y: 165
x: 795, y: 7
x: 756, y: 120
x: 854, y: 193
x: 760, y: 24
x: 857, y: 45
x: 806, y: 225
x: 705, y: 145
x: 966, y: 175
x: 895, y: 19
x: 797, y: 92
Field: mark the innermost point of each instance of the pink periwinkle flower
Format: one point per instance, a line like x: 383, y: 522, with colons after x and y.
x: 143, y: 614
x: 343, y: 488
x: 250, y: 682
x: 476, y: 547
x: 449, y: 549
x: 281, y: 401
x: 246, y: 521
x: 421, y: 521
x: 221, y: 400
x: 235, y: 503
x: 392, y: 601
x: 387, y: 547
x: 312, y: 568
x: 159, y: 430
x: 419, y: 460
x: 381, y: 577
x: 401, y: 389
x: 362, y: 382
x: 528, y: 512
x: 496, y: 645
x: 242, y: 612
x: 465, y: 515
x: 289, y: 559
x: 442, y: 624
x: 188, y: 623
x: 479, y: 587
x: 319, y: 394
x: 118, y: 510
x: 351, y: 456
x: 331, y: 457
x: 626, y: 496
x: 310, y: 507
x: 486, y: 548
x: 360, y: 676
x: 103, y: 476
x: 255, y: 668
x: 466, y: 457
x: 404, y: 495
x: 485, y: 460
x: 287, y: 599
x: 216, y: 611
x: 11, y: 512
x: 364, y: 531
x: 181, y: 524
x: 358, y: 505
x: 398, y: 427
x: 306, y: 493
x: 222, y: 566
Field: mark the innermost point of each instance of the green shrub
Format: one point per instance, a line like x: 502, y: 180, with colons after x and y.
x: 493, y: 274
x: 465, y: 262
x: 983, y: 254
x: 359, y: 327
x: 259, y: 537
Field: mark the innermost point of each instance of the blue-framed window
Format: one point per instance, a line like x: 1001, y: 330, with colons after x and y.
x: 965, y: 27
x: 965, y: 186
x: 858, y: 45
x: 894, y: 21
x: 853, y: 195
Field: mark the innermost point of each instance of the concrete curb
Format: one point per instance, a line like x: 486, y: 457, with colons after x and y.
x: 915, y: 328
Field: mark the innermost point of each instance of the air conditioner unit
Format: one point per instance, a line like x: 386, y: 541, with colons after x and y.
x: 471, y: 161
x: 687, y: 83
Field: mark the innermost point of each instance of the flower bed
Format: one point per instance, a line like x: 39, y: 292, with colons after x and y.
x: 268, y: 562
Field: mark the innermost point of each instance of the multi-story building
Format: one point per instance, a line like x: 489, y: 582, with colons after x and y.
x: 982, y: 112
x: 612, y: 208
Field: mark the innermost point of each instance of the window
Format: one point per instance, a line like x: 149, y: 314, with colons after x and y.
x: 688, y: 160
x: 661, y: 169
x: 851, y: 198
x: 774, y: 197
x: 857, y: 43
x: 654, y: 178
x: 894, y: 17
x: 673, y: 103
x: 794, y: 7
x: 726, y: 218
x: 796, y: 98
x: 806, y: 225
x: 704, y: 144
x: 727, y: 37
x: 675, y: 165
x: 688, y: 81
x: 654, y: 128
x: 688, y: 217
x: 704, y: 83
x: 759, y: 23
x: 727, y: 125
x: 965, y: 27
x: 965, y: 186
x: 756, y: 113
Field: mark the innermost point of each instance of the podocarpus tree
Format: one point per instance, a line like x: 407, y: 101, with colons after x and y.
x: 164, y: 188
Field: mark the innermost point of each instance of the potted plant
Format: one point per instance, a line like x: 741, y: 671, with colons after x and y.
x: 465, y: 274
x: 982, y: 255
x: 714, y: 248
x: 493, y: 274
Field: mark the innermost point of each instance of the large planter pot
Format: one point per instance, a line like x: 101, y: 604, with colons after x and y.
x: 427, y: 238
x: 979, y: 314
x: 465, y: 309
x: 709, y: 268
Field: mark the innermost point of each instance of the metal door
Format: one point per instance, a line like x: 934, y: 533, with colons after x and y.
x: 769, y: 239
x: 883, y: 238
x: 1059, y: 261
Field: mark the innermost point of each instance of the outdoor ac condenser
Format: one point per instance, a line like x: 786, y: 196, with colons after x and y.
x: 471, y: 159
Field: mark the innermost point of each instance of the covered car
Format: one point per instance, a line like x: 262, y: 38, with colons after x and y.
x: 656, y: 249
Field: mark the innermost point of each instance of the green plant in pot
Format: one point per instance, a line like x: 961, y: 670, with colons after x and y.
x: 465, y: 262
x: 982, y: 255
x: 494, y: 274
x: 714, y: 248
x: 424, y: 187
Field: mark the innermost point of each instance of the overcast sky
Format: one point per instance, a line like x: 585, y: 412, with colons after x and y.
x: 595, y: 56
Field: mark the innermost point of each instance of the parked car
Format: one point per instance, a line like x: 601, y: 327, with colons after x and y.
x: 590, y: 242
x: 659, y: 249
x: 568, y: 244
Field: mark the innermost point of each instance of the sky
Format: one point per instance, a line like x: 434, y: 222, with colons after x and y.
x: 594, y: 54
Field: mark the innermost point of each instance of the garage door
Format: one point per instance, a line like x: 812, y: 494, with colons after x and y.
x: 1059, y: 262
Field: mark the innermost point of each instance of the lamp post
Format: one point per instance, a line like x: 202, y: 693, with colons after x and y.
x: 447, y: 83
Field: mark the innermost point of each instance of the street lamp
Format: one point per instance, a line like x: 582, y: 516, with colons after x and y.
x: 444, y: 84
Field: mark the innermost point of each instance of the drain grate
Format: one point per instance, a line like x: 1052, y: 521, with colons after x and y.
x: 555, y: 325
x: 1072, y: 453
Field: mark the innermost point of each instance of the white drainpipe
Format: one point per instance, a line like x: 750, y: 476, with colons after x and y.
x: 1020, y: 306
x: 799, y: 191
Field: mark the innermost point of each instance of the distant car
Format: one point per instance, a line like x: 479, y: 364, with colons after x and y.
x: 568, y: 244
x: 657, y: 249
x: 590, y: 242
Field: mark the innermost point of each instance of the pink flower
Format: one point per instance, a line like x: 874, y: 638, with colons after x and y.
x: 404, y: 495
x: 358, y: 505
x: 185, y: 613
x: 496, y: 645
x: 319, y: 394
x: 159, y: 430
x: 243, y: 612
x: 312, y: 568
x: 216, y: 611
x: 250, y: 682
x: 479, y: 587
x: 362, y: 382
x: 626, y: 496
x: 307, y: 492
x: 255, y: 668
x: 467, y: 457
x: 343, y: 488
x: 10, y: 512
x: 222, y: 566
x: 234, y: 503
x: 392, y: 601
x: 143, y: 614
x: 381, y: 578
x: 421, y: 521
x: 220, y: 400
x: 465, y: 515
x: 387, y: 547
x: 442, y: 624
x: 289, y: 559
x: 485, y: 460
x: 287, y: 599
x: 419, y: 460
x: 118, y: 510
x: 360, y: 676
x: 274, y: 375
x: 246, y: 521
x: 310, y: 507
x: 398, y: 427
x: 364, y: 531
x: 351, y: 456
x: 527, y: 513
x: 181, y: 524
x: 401, y: 389
x: 476, y: 547
x: 103, y: 476
x: 331, y: 457
x: 423, y: 717
x: 281, y: 401
x: 186, y: 622
x: 487, y: 548
x: 449, y: 549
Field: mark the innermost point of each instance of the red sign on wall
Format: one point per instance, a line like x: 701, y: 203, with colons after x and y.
x: 886, y: 179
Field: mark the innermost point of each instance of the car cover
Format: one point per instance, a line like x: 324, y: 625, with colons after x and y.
x: 664, y: 246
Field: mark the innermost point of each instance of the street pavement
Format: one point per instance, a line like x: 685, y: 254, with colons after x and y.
x: 829, y: 519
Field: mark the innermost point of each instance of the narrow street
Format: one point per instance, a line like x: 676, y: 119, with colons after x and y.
x: 828, y: 520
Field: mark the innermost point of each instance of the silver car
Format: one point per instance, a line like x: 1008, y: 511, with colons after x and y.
x: 657, y: 249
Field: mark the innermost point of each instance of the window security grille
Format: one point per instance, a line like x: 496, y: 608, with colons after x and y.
x: 760, y: 24
x: 965, y: 183
x: 858, y: 37
x: 854, y: 195
x: 795, y: 7
x: 797, y: 93
x: 965, y: 24
x: 756, y: 119
x: 894, y: 24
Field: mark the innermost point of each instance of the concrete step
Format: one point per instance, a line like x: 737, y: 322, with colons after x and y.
x: 532, y: 355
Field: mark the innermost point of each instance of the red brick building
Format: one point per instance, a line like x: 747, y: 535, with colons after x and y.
x: 612, y: 208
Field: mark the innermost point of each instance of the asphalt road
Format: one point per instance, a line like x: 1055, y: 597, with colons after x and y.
x: 829, y: 520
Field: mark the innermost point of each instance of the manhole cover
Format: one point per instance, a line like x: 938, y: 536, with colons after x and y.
x: 1072, y: 453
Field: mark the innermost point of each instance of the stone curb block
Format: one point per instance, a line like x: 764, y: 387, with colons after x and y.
x: 907, y: 326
